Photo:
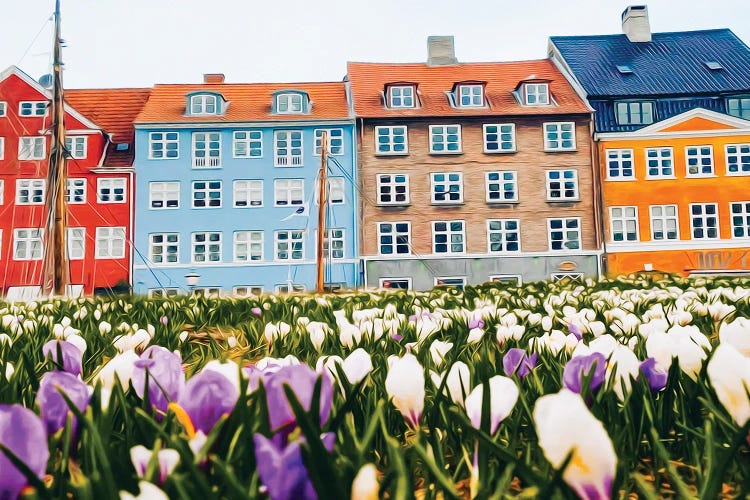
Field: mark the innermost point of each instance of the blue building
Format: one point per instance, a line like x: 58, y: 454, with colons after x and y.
x: 226, y: 178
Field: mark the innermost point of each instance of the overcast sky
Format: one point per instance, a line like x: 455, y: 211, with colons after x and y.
x: 117, y: 43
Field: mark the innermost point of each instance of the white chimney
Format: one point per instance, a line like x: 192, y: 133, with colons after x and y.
x: 635, y: 23
x: 440, y: 51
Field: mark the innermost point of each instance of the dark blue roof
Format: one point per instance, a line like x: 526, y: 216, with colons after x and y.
x: 670, y: 64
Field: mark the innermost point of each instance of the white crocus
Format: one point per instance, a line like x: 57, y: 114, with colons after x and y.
x: 147, y: 490
x: 475, y: 335
x: 357, y: 366
x: 104, y: 328
x: 438, y: 350
x: 77, y: 341
x: 122, y: 366
x: 737, y: 333
x: 6, y: 340
x: 457, y: 381
x: 565, y: 426
x: 229, y: 369
x: 625, y: 365
x: 405, y: 387
x: 273, y: 331
x: 729, y: 373
x: 365, y: 485
x: 167, y: 460
x: 425, y: 327
x: 503, y: 397
x: 9, y: 370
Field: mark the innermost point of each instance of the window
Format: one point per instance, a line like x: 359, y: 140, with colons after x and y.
x: 536, y: 94
x: 290, y: 245
x: 27, y: 244
x: 3, y: 108
x: 448, y: 237
x: 738, y: 159
x: 248, y: 194
x: 458, y: 282
x: 206, y: 247
x: 739, y: 107
x: 288, y: 148
x: 564, y: 233
x: 289, y: 288
x: 164, y: 248
x: 110, y: 242
x: 393, y: 238
x: 664, y: 222
x: 659, y: 163
x: 513, y: 279
x: 289, y: 103
x: 503, y: 235
x: 334, y: 193
x: 32, y: 108
x: 502, y: 187
x: 163, y: 145
x: 446, y: 188
x: 620, y: 164
x: 395, y: 283
x: 500, y: 138
x: 704, y: 221
x: 161, y: 293
x: 248, y: 246
x: 401, y: 96
x: 567, y: 277
x: 2, y: 148
x: 562, y: 185
x: 76, y: 243
x: 624, y: 223
x: 164, y: 195
x: 333, y: 244
x: 206, y: 150
x: 559, y: 136
x: 207, y: 291
x: 470, y: 96
x: 634, y: 113
x: 335, y: 141
x: 391, y: 141
x: 206, y: 194
x: 204, y: 104
x: 740, y: 219
x: 76, y: 147
x: 30, y: 191
x: 76, y: 191
x: 31, y: 148
x: 248, y: 144
x: 288, y: 192
x: 445, y: 139
x: 247, y: 290
x: 699, y: 160
x: 111, y: 190
x: 393, y: 189
x: 2, y: 191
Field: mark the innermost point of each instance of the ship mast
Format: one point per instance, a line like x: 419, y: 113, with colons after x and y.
x: 322, y: 188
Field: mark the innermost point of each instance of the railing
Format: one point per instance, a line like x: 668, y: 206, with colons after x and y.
x: 213, y: 162
x: 289, y: 161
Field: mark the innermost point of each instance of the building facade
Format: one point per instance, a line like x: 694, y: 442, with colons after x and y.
x: 226, y: 181
x: 673, y: 144
x: 472, y: 172
x: 99, y: 198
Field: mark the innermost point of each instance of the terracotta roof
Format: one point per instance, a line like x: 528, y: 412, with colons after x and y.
x: 114, y: 110
x: 247, y: 102
x: 369, y: 79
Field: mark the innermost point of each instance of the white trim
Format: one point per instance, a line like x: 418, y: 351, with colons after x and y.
x: 392, y: 184
x: 559, y: 127
x: 207, y: 242
x: 449, y: 232
x: 744, y: 214
x: 699, y: 157
x: 290, y: 122
x: 284, y: 263
x: 707, y: 114
x: 207, y: 160
x: 503, y: 231
x: 445, y: 143
x: 446, y: 183
x: 726, y: 159
x: 617, y: 136
x: 624, y: 219
x: 110, y: 233
x: 659, y: 245
x: 659, y: 158
x: 499, y: 132
x: 389, y: 96
x: 469, y: 256
x: 390, y: 128
x: 113, y: 185
x: 247, y: 190
x: 663, y: 217
x: 436, y: 278
x: 487, y: 182
x: 164, y: 142
x: 564, y: 230
x: 656, y: 130
x: 562, y: 180
x: 619, y: 160
x: 249, y: 290
x: 394, y: 234
x: 163, y: 244
x: 704, y: 217
x: 247, y: 141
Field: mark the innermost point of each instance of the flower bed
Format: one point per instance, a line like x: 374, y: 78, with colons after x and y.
x: 594, y: 390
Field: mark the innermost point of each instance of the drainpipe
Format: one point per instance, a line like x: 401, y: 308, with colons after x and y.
x: 601, y: 242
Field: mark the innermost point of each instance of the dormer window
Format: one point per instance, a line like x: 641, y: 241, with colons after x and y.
x: 205, y: 104
x: 401, y: 96
x: 470, y: 95
x: 536, y: 94
x: 290, y: 102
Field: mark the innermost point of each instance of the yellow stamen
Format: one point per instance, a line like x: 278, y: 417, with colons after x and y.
x: 183, y: 418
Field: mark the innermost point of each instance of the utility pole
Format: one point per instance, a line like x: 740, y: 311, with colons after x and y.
x: 322, y: 202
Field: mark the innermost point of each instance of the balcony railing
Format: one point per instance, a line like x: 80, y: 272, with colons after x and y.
x: 210, y: 162
x: 289, y: 161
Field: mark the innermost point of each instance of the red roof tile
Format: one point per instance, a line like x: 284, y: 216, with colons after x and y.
x: 369, y: 79
x: 247, y: 102
x: 114, y: 110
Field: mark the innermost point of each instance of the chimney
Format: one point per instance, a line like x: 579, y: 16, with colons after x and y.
x: 213, y: 78
x: 635, y: 23
x: 440, y: 51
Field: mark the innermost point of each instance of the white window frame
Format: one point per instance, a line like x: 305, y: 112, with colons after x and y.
x: 382, y: 281
x: 663, y: 219
x: 164, y: 192
x: 248, y: 190
x: 211, y: 149
x: 446, y: 183
x: 167, y: 139
x: 334, y: 140
x: 742, y: 108
x: 289, y: 99
x: 745, y: 214
x: 245, y: 142
x: 250, y: 244
x: 705, y: 218
x: 437, y: 279
x: 742, y: 155
x: 629, y: 112
x: 202, y: 101
x: 284, y: 192
x: 540, y: 92
x: 207, y: 243
x: 34, y: 248
x: 563, y: 188
x: 213, y: 292
x: 506, y: 278
x: 470, y: 87
x: 31, y: 186
x: 401, y: 88
x: 163, y: 245
x: 503, y: 232
x: 35, y: 107
x: 548, y: 147
x: 502, y: 183
x: 284, y: 288
x: 565, y: 230
x: 700, y: 156
x: 3, y: 109
x: 389, y: 132
x: 2, y: 148
x: 382, y: 182
x: 75, y: 184
x: 618, y: 159
x: 114, y: 184
x: 250, y: 290
x: 327, y: 251
x: 663, y: 153
x: 333, y: 185
x: 161, y: 293
x: 290, y: 158
x: 449, y: 233
x: 442, y: 131
x: 2, y: 191
x: 623, y: 219
x: 207, y: 190
x: 291, y: 239
x: 394, y: 235
x: 109, y: 237
x: 77, y: 146
x: 29, y: 148
x: 76, y: 235
x: 500, y: 133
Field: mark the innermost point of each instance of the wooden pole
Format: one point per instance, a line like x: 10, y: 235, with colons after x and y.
x: 322, y: 211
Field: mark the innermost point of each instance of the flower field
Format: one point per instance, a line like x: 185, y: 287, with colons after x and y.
x: 541, y: 391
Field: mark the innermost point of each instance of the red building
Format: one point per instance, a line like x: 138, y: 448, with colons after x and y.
x: 99, y: 177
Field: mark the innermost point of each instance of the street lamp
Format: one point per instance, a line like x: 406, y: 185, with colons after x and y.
x: 192, y: 279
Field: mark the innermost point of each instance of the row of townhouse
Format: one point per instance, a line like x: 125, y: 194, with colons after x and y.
x: 617, y: 154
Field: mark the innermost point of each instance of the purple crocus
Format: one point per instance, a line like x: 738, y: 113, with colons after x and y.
x: 164, y: 320
x: 54, y: 408
x: 657, y: 379
x: 256, y: 311
x: 166, y: 378
x: 207, y: 397
x: 475, y: 322
x: 301, y: 379
x: 72, y: 357
x: 517, y: 361
x: 282, y: 470
x: 593, y: 365
x: 22, y: 432
x: 573, y: 328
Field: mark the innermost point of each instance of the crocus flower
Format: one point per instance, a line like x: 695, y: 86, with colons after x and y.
x: 282, y: 470
x: 229, y: 369
x: 256, y: 311
x: 729, y: 373
x: 118, y: 368
x: 737, y: 333
x: 503, y: 397
x: 517, y: 361
x: 54, y: 408
x: 405, y: 386
x: 365, y: 485
x: 593, y: 365
x: 438, y: 351
x: 575, y: 330
x: 457, y: 381
x: 357, y: 366
x: 565, y: 425
x: 22, y: 432
x: 206, y: 397
x: 301, y: 379
x: 72, y: 357
x: 167, y: 459
x: 147, y: 491
x: 165, y: 377
x: 657, y: 379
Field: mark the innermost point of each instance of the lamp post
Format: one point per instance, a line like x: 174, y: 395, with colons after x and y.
x: 192, y: 279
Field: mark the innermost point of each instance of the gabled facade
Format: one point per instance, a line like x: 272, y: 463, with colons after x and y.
x: 472, y: 172
x: 226, y: 181
x: 98, y: 216
x: 671, y: 127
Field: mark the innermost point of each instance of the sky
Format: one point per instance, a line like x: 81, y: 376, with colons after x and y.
x: 137, y: 43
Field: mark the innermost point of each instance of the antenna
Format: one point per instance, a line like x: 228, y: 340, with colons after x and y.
x: 46, y: 81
